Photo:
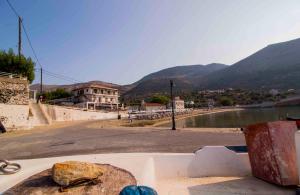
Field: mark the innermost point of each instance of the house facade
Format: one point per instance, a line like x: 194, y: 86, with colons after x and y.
x: 93, y: 96
x: 178, y: 103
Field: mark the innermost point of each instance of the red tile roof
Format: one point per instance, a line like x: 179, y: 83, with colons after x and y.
x: 92, y: 85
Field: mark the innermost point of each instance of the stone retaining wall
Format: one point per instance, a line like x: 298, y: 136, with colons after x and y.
x: 14, y: 91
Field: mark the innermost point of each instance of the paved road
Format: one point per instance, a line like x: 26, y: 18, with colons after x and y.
x: 78, y: 138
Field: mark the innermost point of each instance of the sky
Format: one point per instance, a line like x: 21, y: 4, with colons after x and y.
x: 120, y: 41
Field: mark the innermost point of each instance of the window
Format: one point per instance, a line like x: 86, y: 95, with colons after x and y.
x: 101, y: 91
x: 95, y: 90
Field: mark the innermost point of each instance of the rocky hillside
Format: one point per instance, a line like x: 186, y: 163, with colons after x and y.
x: 275, y: 66
x: 183, y: 76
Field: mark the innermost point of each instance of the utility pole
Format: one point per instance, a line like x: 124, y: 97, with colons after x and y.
x: 20, y: 38
x: 41, y: 90
x: 172, y: 103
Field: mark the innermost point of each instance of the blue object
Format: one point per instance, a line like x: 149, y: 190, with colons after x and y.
x: 138, y: 190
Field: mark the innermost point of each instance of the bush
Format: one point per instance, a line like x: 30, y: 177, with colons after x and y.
x: 161, y: 99
x: 57, y: 94
x: 226, y: 101
x: 12, y: 63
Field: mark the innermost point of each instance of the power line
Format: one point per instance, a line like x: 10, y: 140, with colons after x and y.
x: 66, y: 77
x: 27, y: 36
x: 26, y: 33
x: 59, y: 76
x: 13, y: 9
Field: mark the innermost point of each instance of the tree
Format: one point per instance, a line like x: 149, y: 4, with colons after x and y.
x: 12, y: 63
x: 57, y: 94
x: 226, y: 101
x: 161, y: 99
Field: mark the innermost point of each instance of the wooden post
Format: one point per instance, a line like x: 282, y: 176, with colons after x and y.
x: 172, y: 104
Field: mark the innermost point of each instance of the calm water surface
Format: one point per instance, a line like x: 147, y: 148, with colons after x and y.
x: 240, y: 118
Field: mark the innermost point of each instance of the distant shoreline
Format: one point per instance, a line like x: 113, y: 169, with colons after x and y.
x: 196, y: 113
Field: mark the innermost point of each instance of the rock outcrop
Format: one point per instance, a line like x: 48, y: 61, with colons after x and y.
x: 14, y: 91
x: 67, y: 172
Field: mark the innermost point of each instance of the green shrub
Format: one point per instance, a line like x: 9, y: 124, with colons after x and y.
x: 12, y: 63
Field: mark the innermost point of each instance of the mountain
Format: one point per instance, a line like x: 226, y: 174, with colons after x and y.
x: 183, y: 77
x: 275, y: 66
x: 184, y: 71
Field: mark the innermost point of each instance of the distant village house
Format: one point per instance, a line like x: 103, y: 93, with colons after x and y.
x: 178, y: 103
x: 274, y: 92
x: 95, y: 96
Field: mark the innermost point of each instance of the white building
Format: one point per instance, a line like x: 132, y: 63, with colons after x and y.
x: 178, y: 103
x: 96, y: 96
x: 274, y: 92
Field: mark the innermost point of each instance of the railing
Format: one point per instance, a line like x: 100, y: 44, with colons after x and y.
x: 11, y: 75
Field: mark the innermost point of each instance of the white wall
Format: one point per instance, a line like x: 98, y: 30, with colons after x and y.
x: 15, y: 116
x: 60, y: 113
x: 207, y: 162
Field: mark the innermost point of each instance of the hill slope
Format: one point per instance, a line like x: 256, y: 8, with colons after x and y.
x: 275, y: 66
x: 183, y: 77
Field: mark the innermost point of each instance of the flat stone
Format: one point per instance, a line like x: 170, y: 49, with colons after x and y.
x: 66, y: 172
x: 113, y: 181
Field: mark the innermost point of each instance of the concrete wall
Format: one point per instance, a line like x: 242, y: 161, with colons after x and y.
x: 207, y: 162
x: 15, y: 116
x: 60, y: 113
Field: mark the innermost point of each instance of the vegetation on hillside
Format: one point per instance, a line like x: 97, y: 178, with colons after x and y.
x: 183, y: 76
x: 225, y: 101
x: 232, y: 97
x: 161, y: 99
x: 12, y: 63
x: 57, y: 94
x: 200, y: 99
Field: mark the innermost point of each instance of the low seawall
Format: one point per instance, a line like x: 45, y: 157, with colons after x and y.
x: 59, y: 113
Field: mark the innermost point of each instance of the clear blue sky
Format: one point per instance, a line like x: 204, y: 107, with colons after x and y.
x: 121, y: 41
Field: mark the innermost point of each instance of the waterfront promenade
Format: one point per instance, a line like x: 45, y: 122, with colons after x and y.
x: 91, y: 137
